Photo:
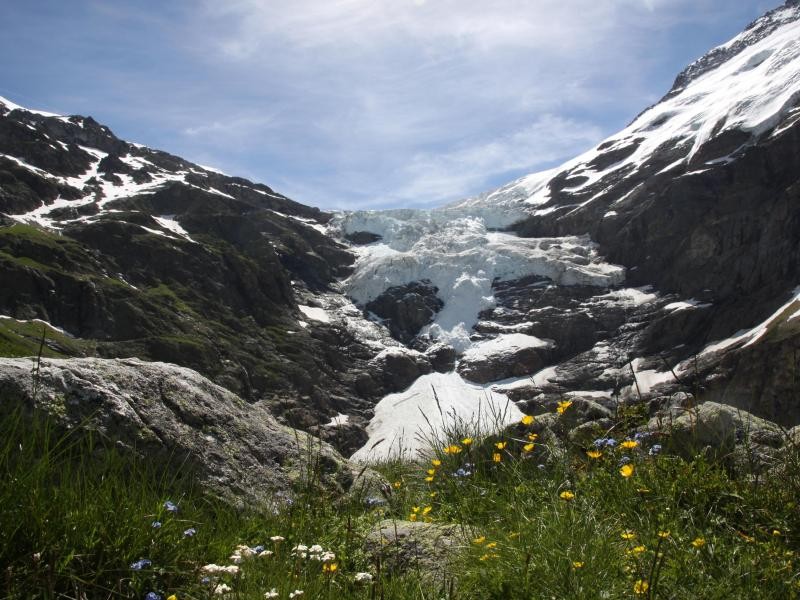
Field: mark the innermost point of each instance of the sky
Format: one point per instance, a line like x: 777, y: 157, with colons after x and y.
x: 360, y: 104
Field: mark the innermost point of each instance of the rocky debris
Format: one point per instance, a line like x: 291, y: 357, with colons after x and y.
x: 403, y: 546
x: 398, y: 368
x: 442, y: 357
x: 508, y: 355
x: 406, y: 309
x: 173, y: 416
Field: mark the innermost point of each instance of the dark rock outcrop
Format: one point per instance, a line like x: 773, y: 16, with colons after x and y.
x: 406, y: 309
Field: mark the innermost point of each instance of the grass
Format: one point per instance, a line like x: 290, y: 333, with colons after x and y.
x: 24, y: 338
x: 529, y: 523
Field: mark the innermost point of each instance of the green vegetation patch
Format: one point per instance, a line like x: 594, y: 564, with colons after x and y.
x: 24, y: 338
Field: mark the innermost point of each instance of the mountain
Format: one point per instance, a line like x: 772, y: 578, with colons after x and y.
x: 664, y: 260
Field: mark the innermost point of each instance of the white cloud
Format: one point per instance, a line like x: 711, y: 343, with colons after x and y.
x: 424, y: 100
x: 435, y: 177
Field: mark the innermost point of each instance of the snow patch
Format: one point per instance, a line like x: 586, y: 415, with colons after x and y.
x: 314, y: 313
x: 502, y: 345
x: 405, y: 423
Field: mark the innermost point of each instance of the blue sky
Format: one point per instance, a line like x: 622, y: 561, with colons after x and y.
x: 360, y: 103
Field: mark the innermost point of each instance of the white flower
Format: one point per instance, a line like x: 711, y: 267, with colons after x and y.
x: 316, y: 549
x: 300, y: 551
x: 295, y: 594
x: 211, y: 569
x: 273, y: 593
x: 245, y: 551
x: 277, y: 538
x: 363, y: 577
x: 236, y: 558
x: 222, y: 589
x: 327, y: 556
x: 266, y: 553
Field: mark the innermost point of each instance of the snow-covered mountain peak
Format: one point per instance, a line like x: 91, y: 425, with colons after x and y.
x: 741, y: 90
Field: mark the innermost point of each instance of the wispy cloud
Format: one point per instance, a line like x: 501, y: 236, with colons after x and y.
x: 421, y: 101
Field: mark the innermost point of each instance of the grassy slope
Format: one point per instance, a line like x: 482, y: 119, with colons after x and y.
x: 74, y: 524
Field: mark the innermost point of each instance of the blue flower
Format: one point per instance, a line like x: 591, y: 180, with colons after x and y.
x: 624, y: 460
x: 153, y: 596
x: 464, y: 471
x: 140, y: 564
x: 642, y: 435
x: 258, y: 549
x: 205, y: 580
x: 374, y: 501
x: 655, y: 449
x: 156, y: 525
x: 605, y: 442
x: 171, y: 506
x: 190, y: 532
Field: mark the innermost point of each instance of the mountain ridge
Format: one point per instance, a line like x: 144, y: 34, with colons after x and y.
x: 656, y: 259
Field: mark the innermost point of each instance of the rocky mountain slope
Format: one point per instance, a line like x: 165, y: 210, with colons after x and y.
x: 663, y: 260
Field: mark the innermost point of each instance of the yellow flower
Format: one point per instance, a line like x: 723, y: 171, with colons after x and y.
x: 172, y: 597
x: 626, y: 470
x: 488, y: 556
x: 776, y: 532
x: 563, y: 406
x: 426, y: 510
x: 638, y: 549
x: 627, y: 535
x: 629, y: 444
x: 533, y: 436
x: 436, y: 462
x: 663, y: 534
x: 431, y: 471
x: 640, y: 587
x: 329, y: 568
x: 501, y: 445
x: 529, y: 447
x: 452, y: 449
x: 566, y: 495
x: 429, y: 478
x: 491, y: 545
x: 433, y: 494
x: 513, y: 535
x: 415, y: 509
x: 479, y: 540
x: 467, y: 441
x: 497, y: 457
x: 576, y: 564
x: 527, y: 420
x: 698, y: 542
x: 412, y: 517
x: 594, y: 453
x: 396, y: 485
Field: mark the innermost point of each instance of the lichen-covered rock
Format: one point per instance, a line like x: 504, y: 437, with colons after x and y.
x: 174, y: 416
x: 723, y: 429
x: 411, y: 545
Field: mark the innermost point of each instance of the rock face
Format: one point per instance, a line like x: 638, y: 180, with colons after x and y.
x: 172, y: 415
x: 514, y: 355
x: 406, y: 309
